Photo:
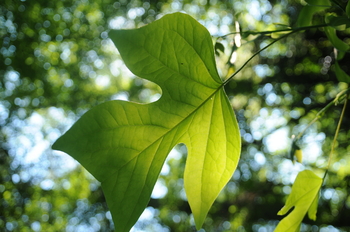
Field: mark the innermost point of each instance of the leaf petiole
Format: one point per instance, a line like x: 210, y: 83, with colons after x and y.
x: 273, y: 31
x: 254, y: 55
x: 336, y: 136
x: 340, y: 96
x: 292, y: 31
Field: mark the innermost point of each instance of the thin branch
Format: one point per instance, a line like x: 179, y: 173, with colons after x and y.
x: 292, y: 31
x: 274, y: 31
x: 336, y: 136
x: 255, y: 54
x: 343, y: 94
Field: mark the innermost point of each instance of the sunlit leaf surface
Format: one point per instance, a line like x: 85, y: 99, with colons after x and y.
x: 125, y: 144
x: 304, y: 199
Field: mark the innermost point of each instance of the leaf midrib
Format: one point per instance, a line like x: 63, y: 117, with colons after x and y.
x: 173, y: 128
x: 163, y: 136
x: 177, y: 72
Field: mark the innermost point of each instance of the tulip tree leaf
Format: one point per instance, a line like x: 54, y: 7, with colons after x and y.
x: 125, y: 144
x: 304, y: 199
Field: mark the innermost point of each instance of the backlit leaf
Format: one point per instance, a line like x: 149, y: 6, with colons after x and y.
x: 304, y: 199
x: 125, y: 144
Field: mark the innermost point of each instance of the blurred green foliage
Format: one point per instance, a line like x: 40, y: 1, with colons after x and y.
x: 57, y: 62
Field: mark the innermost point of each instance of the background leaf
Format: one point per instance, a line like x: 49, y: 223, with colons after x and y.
x: 337, y: 22
x: 304, y: 198
x: 307, y: 12
x: 333, y: 38
x: 124, y: 144
x: 341, y: 75
x: 347, y: 9
x: 334, y: 21
x: 219, y: 47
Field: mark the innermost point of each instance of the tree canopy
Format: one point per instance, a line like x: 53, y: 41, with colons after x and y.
x: 58, y: 61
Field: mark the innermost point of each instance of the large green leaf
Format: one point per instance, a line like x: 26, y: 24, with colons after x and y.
x: 125, y: 144
x: 304, y: 198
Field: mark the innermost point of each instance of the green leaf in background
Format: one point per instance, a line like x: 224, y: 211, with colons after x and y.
x: 331, y: 33
x: 337, y: 43
x: 347, y: 9
x: 339, y: 23
x: 340, y: 74
x: 304, y: 199
x: 307, y: 12
x: 125, y: 144
x: 219, y: 47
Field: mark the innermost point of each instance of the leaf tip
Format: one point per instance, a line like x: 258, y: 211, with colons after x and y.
x: 282, y: 211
